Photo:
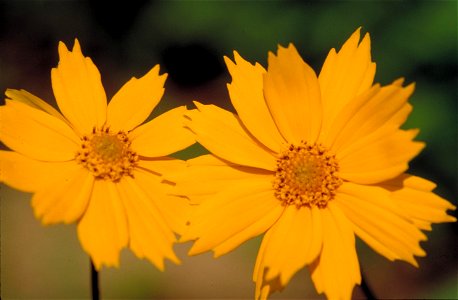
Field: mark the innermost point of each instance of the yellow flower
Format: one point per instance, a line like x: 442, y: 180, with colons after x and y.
x: 94, y: 164
x: 309, y: 161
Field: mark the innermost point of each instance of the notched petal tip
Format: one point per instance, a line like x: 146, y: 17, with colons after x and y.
x: 198, y: 105
x: 76, y: 46
x: 229, y: 63
x: 399, y: 82
x: 62, y: 49
x: 156, y: 71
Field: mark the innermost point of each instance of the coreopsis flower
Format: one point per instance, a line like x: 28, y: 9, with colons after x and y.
x: 309, y: 161
x: 95, y: 164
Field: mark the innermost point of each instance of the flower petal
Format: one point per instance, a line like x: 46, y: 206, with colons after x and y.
x: 345, y: 75
x: 264, y: 287
x: 295, y: 241
x: 222, y: 133
x: 66, y: 199
x: 134, y: 102
x: 292, y: 94
x: 413, y: 195
x: 33, y: 101
x: 258, y: 227
x: 102, y: 230
x: 163, y: 135
x: 78, y: 89
x: 35, y: 133
x: 162, y: 165
x: 227, y: 213
x: 380, y: 158
x: 215, y: 173
x: 29, y: 175
x: 246, y: 93
x: 150, y: 236
x: 337, y: 270
x: 380, y: 222
x: 378, y: 109
x: 244, y: 218
x: 175, y: 210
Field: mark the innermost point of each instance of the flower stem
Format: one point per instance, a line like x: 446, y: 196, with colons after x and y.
x: 94, y: 282
x: 366, y: 289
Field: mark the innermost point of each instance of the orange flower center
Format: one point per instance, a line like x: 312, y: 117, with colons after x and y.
x: 306, y: 175
x: 107, y: 155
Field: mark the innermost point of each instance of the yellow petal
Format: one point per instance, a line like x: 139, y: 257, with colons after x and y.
x: 345, y: 75
x: 282, y: 242
x: 295, y: 241
x: 337, y: 270
x: 150, y: 236
x: 162, y: 165
x: 254, y: 212
x: 29, y: 175
x: 380, y: 222
x: 258, y: 227
x: 102, y: 230
x: 410, y: 181
x: 65, y: 199
x: 78, y: 89
x: 215, y: 173
x: 380, y: 158
x: 175, y: 210
x: 264, y: 287
x: 378, y: 109
x: 163, y: 135
x: 221, y: 132
x: 134, y: 102
x: 247, y: 96
x: 413, y: 195
x: 33, y: 101
x: 292, y: 94
x: 36, y: 134
x: 219, y: 217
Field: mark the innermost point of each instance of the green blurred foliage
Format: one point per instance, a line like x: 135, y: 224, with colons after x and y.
x: 412, y: 39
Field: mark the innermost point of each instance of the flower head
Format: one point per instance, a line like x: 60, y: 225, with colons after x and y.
x: 95, y: 164
x: 309, y: 161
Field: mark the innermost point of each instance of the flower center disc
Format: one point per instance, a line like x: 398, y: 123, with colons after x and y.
x: 107, y: 155
x: 306, y: 175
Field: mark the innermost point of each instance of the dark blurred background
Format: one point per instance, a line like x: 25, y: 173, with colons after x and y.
x: 412, y: 39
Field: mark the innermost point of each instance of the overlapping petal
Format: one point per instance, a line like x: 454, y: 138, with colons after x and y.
x: 221, y: 132
x: 103, y: 229
x: 65, y: 199
x: 292, y: 93
x: 246, y: 93
x: 78, y: 89
x: 249, y: 202
x: 214, y: 172
x: 293, y: 242
x: 35, y: 133
x: 380, y: 222
x: 162, y: 165
x: 163, y: 135
x: 415, y: 197
x: 366, y: 137
x: 33, y: 101
x: 149, y: 234
x: 336, y: 271
x: 376, y: 109
x: 174, y: 209
x: 345, y: 75
x: 380, y: 158
x: 134, y: 102
x: 30, y: 175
